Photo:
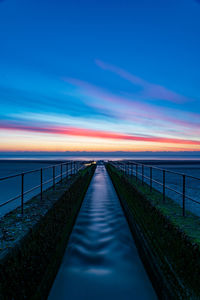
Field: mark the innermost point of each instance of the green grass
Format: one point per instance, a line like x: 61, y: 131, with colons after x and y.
x: 189, y: 224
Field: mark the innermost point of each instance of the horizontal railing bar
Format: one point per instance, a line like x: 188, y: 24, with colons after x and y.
x: 167, y: 187
x: 190, y: 176
x: 9, y: 177
x: 160, y: 183
x: 153, y: 180
x: 141, y: 174
x: 193, y: 200
x: 80, y: 166
x: 56, y: 165
x: 47, y: 181
x: 10, y: 200
x: 157, y: 168
x: 64, y: 173
x: 146, y: 177
x: 57, y: 176
x: 32, y: 189
x: 32, y: 171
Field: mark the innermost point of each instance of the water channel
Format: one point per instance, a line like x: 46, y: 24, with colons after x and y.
x: 101, y: 260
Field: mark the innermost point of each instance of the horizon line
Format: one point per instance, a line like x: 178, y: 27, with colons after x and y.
x: 99, y: 152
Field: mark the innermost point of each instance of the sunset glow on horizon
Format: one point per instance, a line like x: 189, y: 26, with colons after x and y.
x: 84, y: 76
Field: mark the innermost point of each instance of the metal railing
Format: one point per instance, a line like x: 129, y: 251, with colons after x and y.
x: 64, y: 170
x: 138, y: 170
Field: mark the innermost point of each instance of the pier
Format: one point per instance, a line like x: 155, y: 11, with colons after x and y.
x: 99, y: 230
x: 101, y: 260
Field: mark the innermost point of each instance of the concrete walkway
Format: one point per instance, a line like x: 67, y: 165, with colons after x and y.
x: 101, y: 260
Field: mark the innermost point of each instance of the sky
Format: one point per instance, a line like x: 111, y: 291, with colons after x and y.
x: 99, y: 75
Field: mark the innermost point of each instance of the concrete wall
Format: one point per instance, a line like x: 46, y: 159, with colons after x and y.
x: 171, y: 257
x: 32, y: 247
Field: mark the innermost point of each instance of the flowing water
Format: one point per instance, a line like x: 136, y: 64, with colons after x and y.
x: 101, y: 260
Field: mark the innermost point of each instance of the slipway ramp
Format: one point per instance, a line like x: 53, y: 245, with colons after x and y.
x: 101, y: 260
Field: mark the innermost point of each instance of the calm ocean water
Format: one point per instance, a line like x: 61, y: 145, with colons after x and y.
x: 12, y: 187
x: 100, y: 157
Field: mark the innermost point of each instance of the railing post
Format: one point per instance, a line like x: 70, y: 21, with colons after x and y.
x: 151, y: 179
x: 142, y: 174
x: 61, y: 172
x: 163, y: 185
x: 71, y: 167
x: 67, y: 170
x: 22, y: 194
x: 183, y: 195
x: 54, y: 177
x: 41, y: 183
x: 136, y: 166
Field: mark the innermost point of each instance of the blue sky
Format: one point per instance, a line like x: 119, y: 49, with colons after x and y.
x: 93, y: 75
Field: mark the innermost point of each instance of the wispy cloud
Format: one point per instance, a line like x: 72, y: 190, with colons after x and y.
x: 135, y: 111
x: 83, y: 132
x: 150, y: 90
x: 19, y: 100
